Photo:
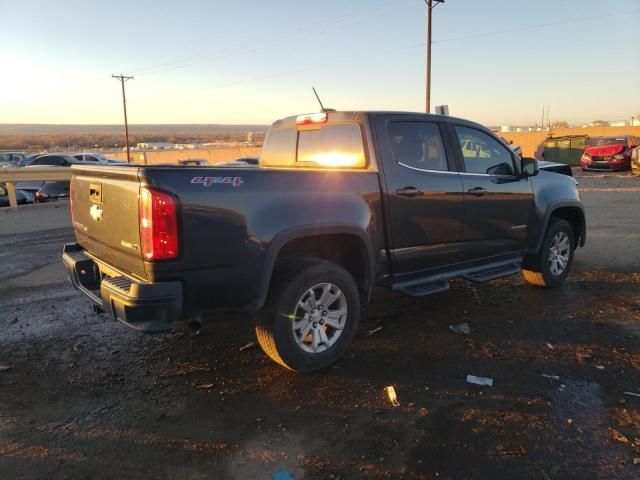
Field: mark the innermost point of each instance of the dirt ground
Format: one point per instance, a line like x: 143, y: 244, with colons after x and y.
x: 82, y: 396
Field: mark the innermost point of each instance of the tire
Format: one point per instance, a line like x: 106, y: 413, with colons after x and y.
x: 290, y: 300
x: 541, y: 269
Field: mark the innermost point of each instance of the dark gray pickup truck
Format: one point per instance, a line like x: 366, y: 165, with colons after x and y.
x: 341, y: 202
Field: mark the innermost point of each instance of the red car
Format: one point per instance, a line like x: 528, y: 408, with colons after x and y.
x: 608, y: 153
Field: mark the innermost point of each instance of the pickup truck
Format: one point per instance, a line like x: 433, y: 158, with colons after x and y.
x: 341, y: 202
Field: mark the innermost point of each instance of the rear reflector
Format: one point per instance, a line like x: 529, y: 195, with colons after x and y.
x: 158, y: 225
x: 312, y: 118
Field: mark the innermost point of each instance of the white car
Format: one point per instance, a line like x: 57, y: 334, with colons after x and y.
x: 96, y: 157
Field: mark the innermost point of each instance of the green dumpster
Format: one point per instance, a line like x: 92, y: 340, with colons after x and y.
x: 567, y: 150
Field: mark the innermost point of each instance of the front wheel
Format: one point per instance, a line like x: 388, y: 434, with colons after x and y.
x: 311, y: 315
x: 551, y: 265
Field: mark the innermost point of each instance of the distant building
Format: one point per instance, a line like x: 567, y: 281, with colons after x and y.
x: 635, y: 121
x: 154, y: 146
x: 618, y: 124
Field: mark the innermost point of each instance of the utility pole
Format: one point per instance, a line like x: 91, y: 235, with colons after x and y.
x: 431, y: 4
x: 123, y: 79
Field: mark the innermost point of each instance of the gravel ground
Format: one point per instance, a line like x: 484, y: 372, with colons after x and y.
x: 81, y: 396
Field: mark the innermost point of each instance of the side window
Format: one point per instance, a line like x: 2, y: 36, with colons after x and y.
x: 3, y: 191
x: 483, y: 153
x: 418, y: 145
x: 332, y: 146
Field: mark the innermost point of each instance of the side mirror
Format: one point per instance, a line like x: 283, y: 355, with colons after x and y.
x: 529, y: 167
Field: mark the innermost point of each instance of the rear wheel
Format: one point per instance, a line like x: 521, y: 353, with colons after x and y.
x: 311, y: 315
x: 551, y: 265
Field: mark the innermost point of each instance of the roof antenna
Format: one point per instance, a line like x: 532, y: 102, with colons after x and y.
x: 320, y: 102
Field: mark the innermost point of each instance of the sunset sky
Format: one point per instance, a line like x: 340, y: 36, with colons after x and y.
x: 496, y: 61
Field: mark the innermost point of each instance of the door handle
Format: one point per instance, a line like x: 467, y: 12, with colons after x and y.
x: 477, y: 191
x: 408, y: 192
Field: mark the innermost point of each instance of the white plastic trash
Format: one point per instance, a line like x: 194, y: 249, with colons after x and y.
x: 487, y: 382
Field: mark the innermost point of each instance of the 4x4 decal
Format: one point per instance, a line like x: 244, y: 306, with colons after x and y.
x: 208, y: 181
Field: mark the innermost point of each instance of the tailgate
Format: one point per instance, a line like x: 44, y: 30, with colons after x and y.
x: 105, y: 215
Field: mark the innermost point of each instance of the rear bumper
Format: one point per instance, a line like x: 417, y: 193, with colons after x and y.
x: 148, y: 307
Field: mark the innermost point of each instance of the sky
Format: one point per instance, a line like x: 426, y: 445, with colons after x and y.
x: 494, y: 61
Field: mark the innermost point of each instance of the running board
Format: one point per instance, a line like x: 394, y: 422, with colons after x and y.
x: 420, y: 287
x: 423, y: 289
x: 493, y: 273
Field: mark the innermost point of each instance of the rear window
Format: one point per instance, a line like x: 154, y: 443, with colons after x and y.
x: 333, y: 146
x: 604, y: 141
x: 279, y: 148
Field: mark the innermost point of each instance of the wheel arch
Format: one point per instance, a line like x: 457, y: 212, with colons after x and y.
x: 318, y: 241
x: 573, y: 212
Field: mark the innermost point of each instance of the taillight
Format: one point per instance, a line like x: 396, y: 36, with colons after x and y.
x: 158, y: 225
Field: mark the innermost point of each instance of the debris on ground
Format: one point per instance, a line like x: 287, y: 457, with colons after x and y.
x: 619, y: 437
x: 375, y: 330
x: 551, y: 377
x: 480, y: 380
x: 550, y: 346
x: 393, y: 398
x: 463, y: 328
x: 206, y: 385
x: 600, y: 367
x: 282, y: 475
x: 5, y: 368
x: 632, y: 394
x: 636, y: 461
x: 582, y: 356
x: 248, y: 346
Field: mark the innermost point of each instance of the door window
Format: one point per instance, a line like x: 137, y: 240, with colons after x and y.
x: 418, y: 145
x: 483, y: 153
x: 3, y: 192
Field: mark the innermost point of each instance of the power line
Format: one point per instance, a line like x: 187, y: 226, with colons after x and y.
x: 286, y: 36
x: 530, y: 27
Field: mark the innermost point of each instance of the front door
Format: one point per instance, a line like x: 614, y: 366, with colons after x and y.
x: 497, y: 202
x: 424, y: 194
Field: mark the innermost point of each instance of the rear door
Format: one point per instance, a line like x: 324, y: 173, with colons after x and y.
x: 424, y: 193
x: 105, y: 216
x: 497, y: 202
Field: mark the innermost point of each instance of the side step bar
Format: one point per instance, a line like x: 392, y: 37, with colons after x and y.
x: 420, y: 287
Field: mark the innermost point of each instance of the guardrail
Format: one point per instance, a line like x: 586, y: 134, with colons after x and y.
x: 11, y: 175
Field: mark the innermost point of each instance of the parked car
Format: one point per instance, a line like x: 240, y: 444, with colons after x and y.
x: 21, y: 196
x: 635, y: 161
x: 193, y: 162
x: 249, y: 160
x: 28, y: 159
x: 235, y: 163
x: 303, y: 239
x: 52, y: 191
x: 608, y: 153
x: 11, y: 159
x: 96, y: 158
x: 55, y: 160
